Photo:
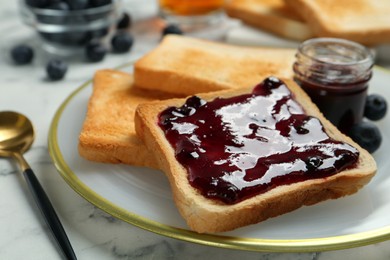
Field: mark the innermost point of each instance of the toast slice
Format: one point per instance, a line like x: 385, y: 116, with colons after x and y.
x: 187, y: 66
x: 363, y: 21
x: 208, y: 215
x: 108, y: 134
x: 273, y: 16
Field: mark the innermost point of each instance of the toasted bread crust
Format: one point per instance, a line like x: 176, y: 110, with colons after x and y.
x: 363, y: 21
x: 209, y: 216
x: 183, y: 65
x: 108, y: 134
x: 270, y: 15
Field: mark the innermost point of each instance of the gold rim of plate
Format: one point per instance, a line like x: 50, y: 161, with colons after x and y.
x: 240, y: 243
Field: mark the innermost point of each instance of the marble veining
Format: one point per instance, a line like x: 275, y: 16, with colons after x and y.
x: 93, y: 233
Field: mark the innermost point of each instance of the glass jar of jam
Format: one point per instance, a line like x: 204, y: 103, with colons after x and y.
x: 335, y: 74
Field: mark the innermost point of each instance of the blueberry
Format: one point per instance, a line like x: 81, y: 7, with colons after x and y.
x: 167, y: 117
x: 376, y: 107
x: 38, y: 3
x: 172, y: 29
x: 272, y: 82
x: 95, y: 51
x: 367, y: 135
x: 56, y: 69
x: 122, y: 42
x: 195, y: 102
x: 228, y: 192
x: 125, y: 21
x: 78, y: 4
x: 313, y: 163
x: 97, y: 3
x: 22, y: 54
x: 301, y: 130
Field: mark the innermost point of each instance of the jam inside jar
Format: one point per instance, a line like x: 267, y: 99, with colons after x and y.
x: 335, y: 74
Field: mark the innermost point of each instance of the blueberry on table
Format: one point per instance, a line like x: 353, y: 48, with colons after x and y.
x: 367, y: 135
x: 22, y: 54
x: 122, y: 42
x: 172, y: 29
x: 56, y: 69
x: 125, y: 21
x: 38, y: 3
x: 376, y: 107
x: 95, y: 51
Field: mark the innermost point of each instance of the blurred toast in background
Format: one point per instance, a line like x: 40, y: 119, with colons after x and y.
x: 363, y: 21
x: 270, y: 15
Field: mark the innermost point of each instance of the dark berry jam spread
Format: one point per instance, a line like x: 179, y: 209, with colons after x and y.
x: 236, y: 148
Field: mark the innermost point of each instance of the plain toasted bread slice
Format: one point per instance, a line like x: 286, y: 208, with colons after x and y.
x: 108, y: 134
x: 363, y: 21
x: 273, y: 16
x: 209, y: 216
x: 184, y: 65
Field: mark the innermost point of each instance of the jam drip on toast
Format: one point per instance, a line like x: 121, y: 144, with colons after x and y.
x: 238, y: 147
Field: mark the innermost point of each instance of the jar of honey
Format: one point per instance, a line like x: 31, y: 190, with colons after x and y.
x: 335, y: 74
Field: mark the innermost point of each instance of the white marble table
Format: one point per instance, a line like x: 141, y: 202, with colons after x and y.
x: 93, y: 233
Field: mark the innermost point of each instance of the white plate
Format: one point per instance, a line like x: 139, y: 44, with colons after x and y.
x: 142, y: 197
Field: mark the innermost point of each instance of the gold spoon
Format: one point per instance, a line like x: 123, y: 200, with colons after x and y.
x: 16, y: 137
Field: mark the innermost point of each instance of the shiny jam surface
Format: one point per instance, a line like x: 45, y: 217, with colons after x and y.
x: 236, y: 148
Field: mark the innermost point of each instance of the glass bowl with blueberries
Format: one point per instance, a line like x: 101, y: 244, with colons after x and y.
x: 66, y: 26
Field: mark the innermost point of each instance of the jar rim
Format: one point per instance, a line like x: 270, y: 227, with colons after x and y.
x: 367, y: 55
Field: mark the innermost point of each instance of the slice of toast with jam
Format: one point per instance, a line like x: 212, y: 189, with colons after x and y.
x: 238, y: 157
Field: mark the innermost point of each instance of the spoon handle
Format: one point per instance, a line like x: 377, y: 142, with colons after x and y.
x: 49, y: 213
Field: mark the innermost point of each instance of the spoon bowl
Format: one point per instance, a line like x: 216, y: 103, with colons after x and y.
x: 16, y: 137
x: 16, y: 132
